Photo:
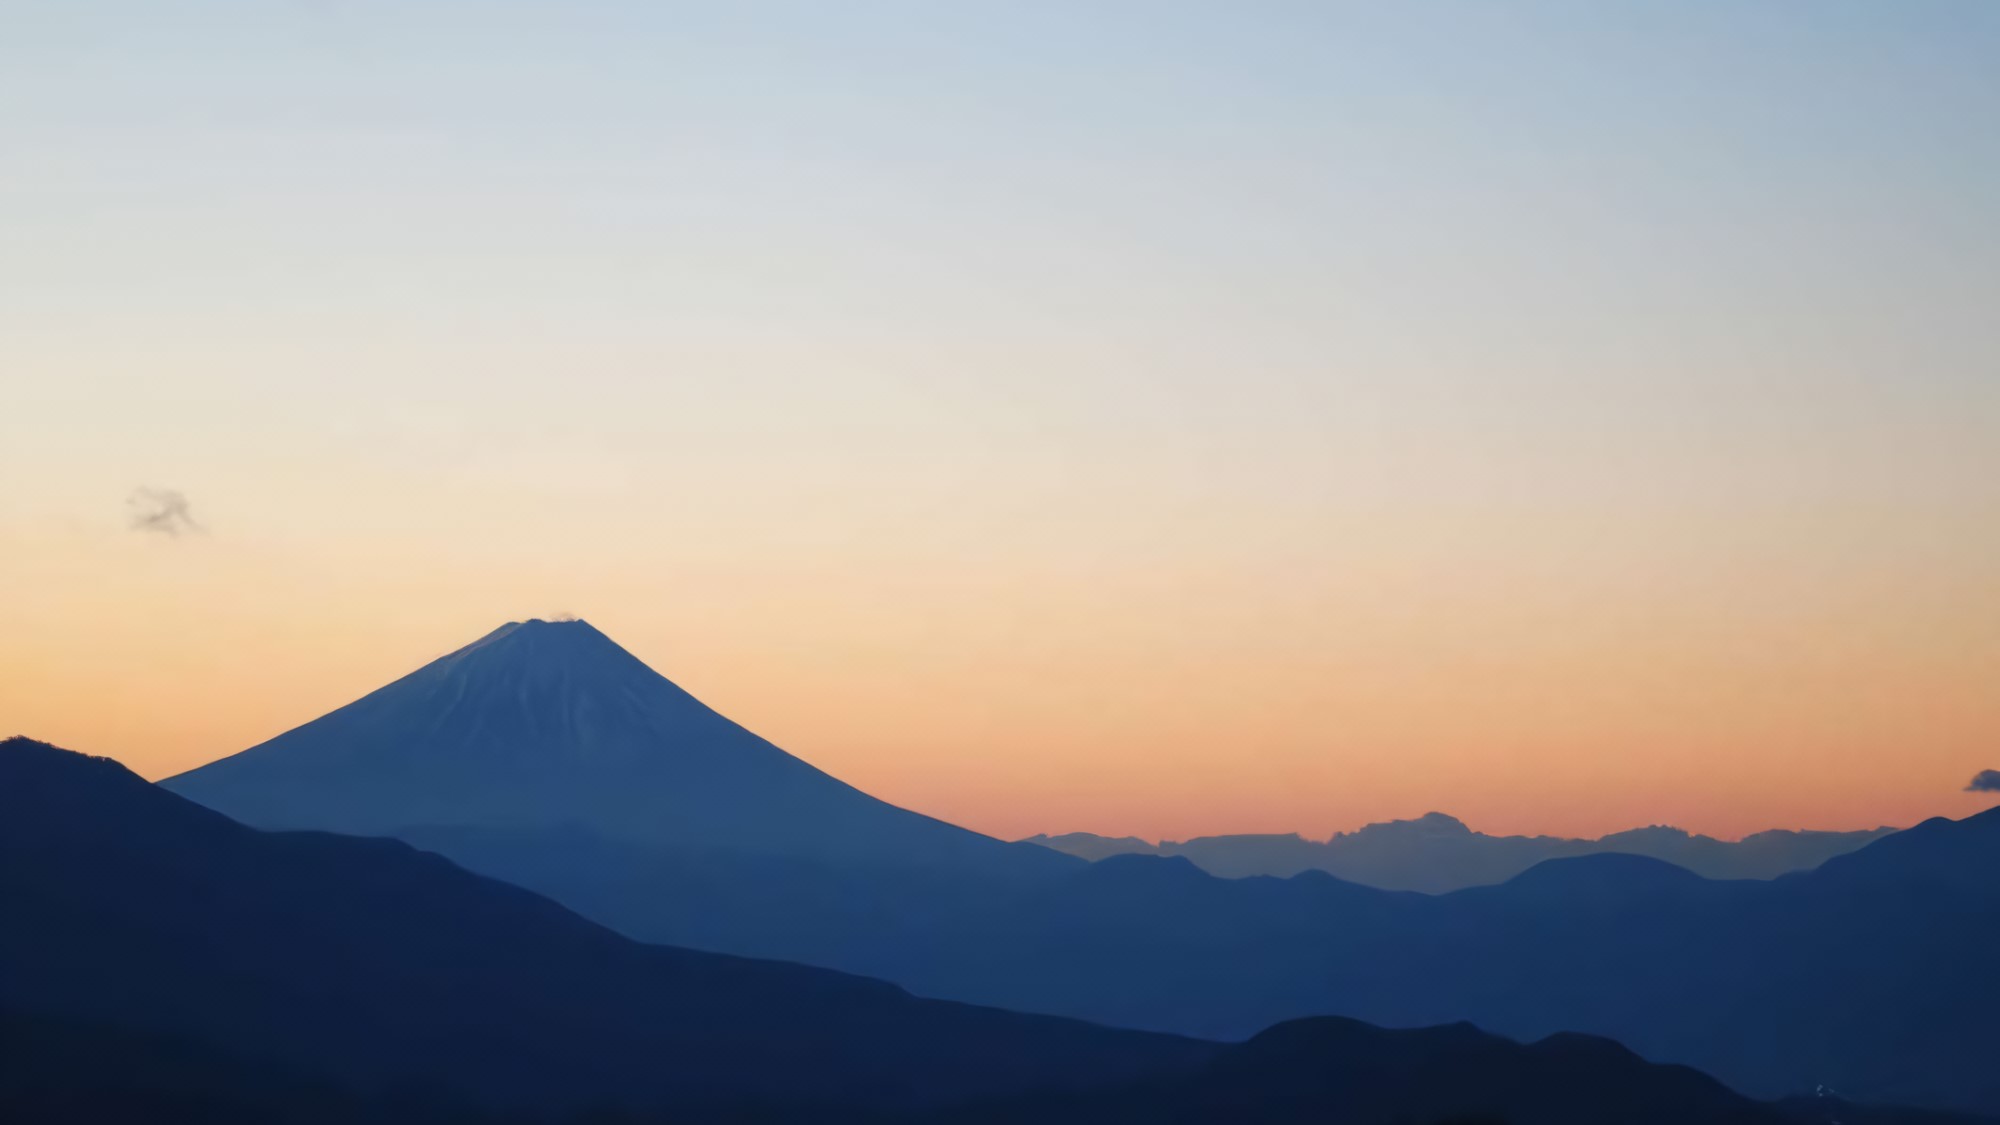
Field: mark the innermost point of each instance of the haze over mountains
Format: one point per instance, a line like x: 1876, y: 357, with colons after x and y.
x: 618, y: 795
x: 1434, y: 853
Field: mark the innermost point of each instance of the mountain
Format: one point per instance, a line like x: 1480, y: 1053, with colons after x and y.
x: 1435, y: 853
x: 551, y: 725
x: 63, y: 1072
x: 615, y: 794
x: 1870, y: 975
x: 1308, y: 1072
x: 378, y: 967
x: 1090, y: 846
x: 546, y: 755
x: 162, y: 962
x: 1328, y: 1069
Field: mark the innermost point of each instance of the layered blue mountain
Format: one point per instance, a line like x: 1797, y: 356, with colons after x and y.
x: 614, y: 793
x: 1870, y: 975
x: 164, y: 963
x: 1335, y: 1070
x: 381, y: 968
x: 1435, y: 853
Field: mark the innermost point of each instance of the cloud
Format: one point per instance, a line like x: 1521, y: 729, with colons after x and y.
x: 161, y: 510
x: 1985, y: 781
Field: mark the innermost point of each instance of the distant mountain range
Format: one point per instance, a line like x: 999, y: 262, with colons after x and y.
x: 547, y: 756
x: 1870, y: 975
x: 164, y: 963
x: 1435, y: 853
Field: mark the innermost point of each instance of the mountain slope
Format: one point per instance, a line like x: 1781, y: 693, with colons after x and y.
x: 1327, y: 1069
x: 543, y: 725
x: 376, y: 965
x: 62, y: 1072
x: 1870, y: 975
x: 164, y: 962
x: 1309, y: 1072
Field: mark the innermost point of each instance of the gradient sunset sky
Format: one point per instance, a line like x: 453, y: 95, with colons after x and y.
x: 1147, y: 418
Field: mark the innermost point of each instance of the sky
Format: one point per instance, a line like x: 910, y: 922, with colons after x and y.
x: 1154, y: 418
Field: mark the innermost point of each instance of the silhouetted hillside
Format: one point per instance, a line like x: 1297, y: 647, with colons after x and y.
x: 1437, y: 853
x: 167, y: 964
x: 58, y: 1072
x: 376, y: 965
x: 1336, y: 1070
x: 1869, y: 975
x: 1865, y: 975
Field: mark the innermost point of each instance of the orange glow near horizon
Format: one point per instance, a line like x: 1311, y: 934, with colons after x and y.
x: 1143, y: 419
x: 1155, y: 707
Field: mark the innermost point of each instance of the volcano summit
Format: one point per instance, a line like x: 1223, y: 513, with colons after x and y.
x: 544, y: 725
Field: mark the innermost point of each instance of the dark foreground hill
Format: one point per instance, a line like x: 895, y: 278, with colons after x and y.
x: 59, y: 1072
x: 1325, y: 1070
x: 1337, y: 1070
x: 378, y: 966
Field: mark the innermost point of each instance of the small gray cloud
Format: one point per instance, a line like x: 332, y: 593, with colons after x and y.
x: 163, y: 511
x: 1985, y: 781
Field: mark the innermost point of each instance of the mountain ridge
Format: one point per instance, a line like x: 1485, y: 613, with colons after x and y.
x: 1854, y: 975
x: 350, y: 956
x: 192, y: 968
x: 1436, y: 852
x: 1867, y: 974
